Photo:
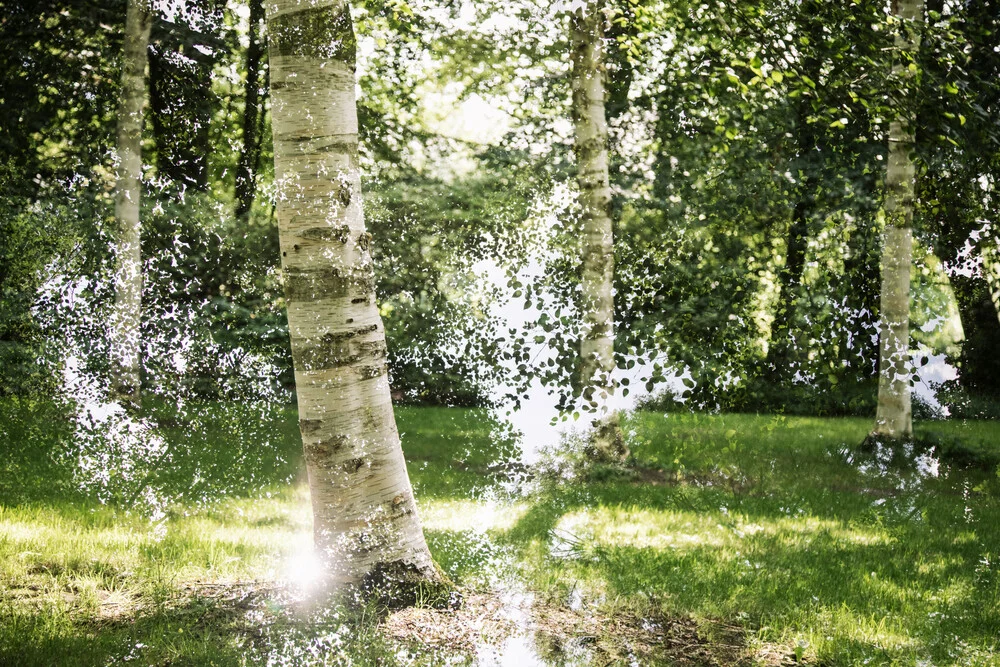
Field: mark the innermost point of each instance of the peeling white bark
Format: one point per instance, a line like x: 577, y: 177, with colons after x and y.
x: 364, y: 513
x: 128, y: 193
x: 894, y: 418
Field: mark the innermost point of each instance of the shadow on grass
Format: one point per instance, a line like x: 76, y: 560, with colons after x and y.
x: 854, y: 570
x: 230, y: 625
x: 215, y: 449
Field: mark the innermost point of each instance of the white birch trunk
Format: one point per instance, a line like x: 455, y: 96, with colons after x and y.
x: 128, y: 193
x: 597, y: 357
x: 364, y: 514
x: 894, y: 418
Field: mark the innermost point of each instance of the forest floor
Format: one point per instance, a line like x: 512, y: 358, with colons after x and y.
x: 730, y: 540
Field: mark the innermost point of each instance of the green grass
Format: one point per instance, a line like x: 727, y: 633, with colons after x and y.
x: 761, y: 521
x: 774, y: 524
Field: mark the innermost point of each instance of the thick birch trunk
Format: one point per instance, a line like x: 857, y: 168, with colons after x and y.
x: 364, y: 514
x: 597, y: 356
x: 128, y: 192
x: 893, y: 418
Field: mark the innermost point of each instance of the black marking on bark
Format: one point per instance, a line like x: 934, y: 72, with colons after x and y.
x: 310, y: 426
x: 344, y: 195
x: 401, y: 506
x: 350, y: 320
x: 370, y: 420
x: 319, y: 453
x: 353, y: 333
x: 364, y: 241
x: 320, y: 32
x: 360, y: 299
x: 326, y: 284
x: 354, y: 465
x: 369, y: 372
x: 338, y: 351
x: 373, y: 348
x: 310, y: 145
x: 329, y: 234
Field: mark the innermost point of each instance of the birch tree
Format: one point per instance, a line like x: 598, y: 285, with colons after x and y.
x: 364, y: 514
x: 128, y: 192
x: 893, y: 419
x: 597, y: 356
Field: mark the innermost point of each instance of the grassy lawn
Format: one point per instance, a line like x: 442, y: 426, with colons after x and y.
x: 772, y: 533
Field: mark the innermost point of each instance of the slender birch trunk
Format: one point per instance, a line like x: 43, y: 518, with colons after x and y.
x: 128, y: 192
x: 894, y: 418
x: 597, y: 355
x: 364, y: 514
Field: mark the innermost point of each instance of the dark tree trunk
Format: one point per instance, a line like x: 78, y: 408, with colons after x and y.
x: 979, y: 361
x: 181, y: 99
x: 253, y: 115
x: 780, y: 351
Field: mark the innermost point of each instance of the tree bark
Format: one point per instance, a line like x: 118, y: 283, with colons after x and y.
x: 128, y: 193
x: 364, y: 513
x: 597, y: 356
x: 978, y: 362
x: 991, y: 271
x: 893, y: 419
x: 246, y: 171
x: 780, y: 350
x: 862, y: 274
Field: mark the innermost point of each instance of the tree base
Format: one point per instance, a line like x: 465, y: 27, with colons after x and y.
x: 875, y: 441
x: 607, y: 442
x: 398, y: 585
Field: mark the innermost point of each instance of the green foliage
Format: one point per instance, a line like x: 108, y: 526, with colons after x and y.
x: 59, y: 67
x: 761, y: 396
x: 756, y: 179
x: 428, y: 235
x: 33, y: 235
x: 211, y: 290
x: 960, y: 153
x: 36, y: 434
x: 748, y: 148
x: 965, y: 404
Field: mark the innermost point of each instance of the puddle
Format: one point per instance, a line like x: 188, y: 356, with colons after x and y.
x: 510, y: 627
x: 529, y: 646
